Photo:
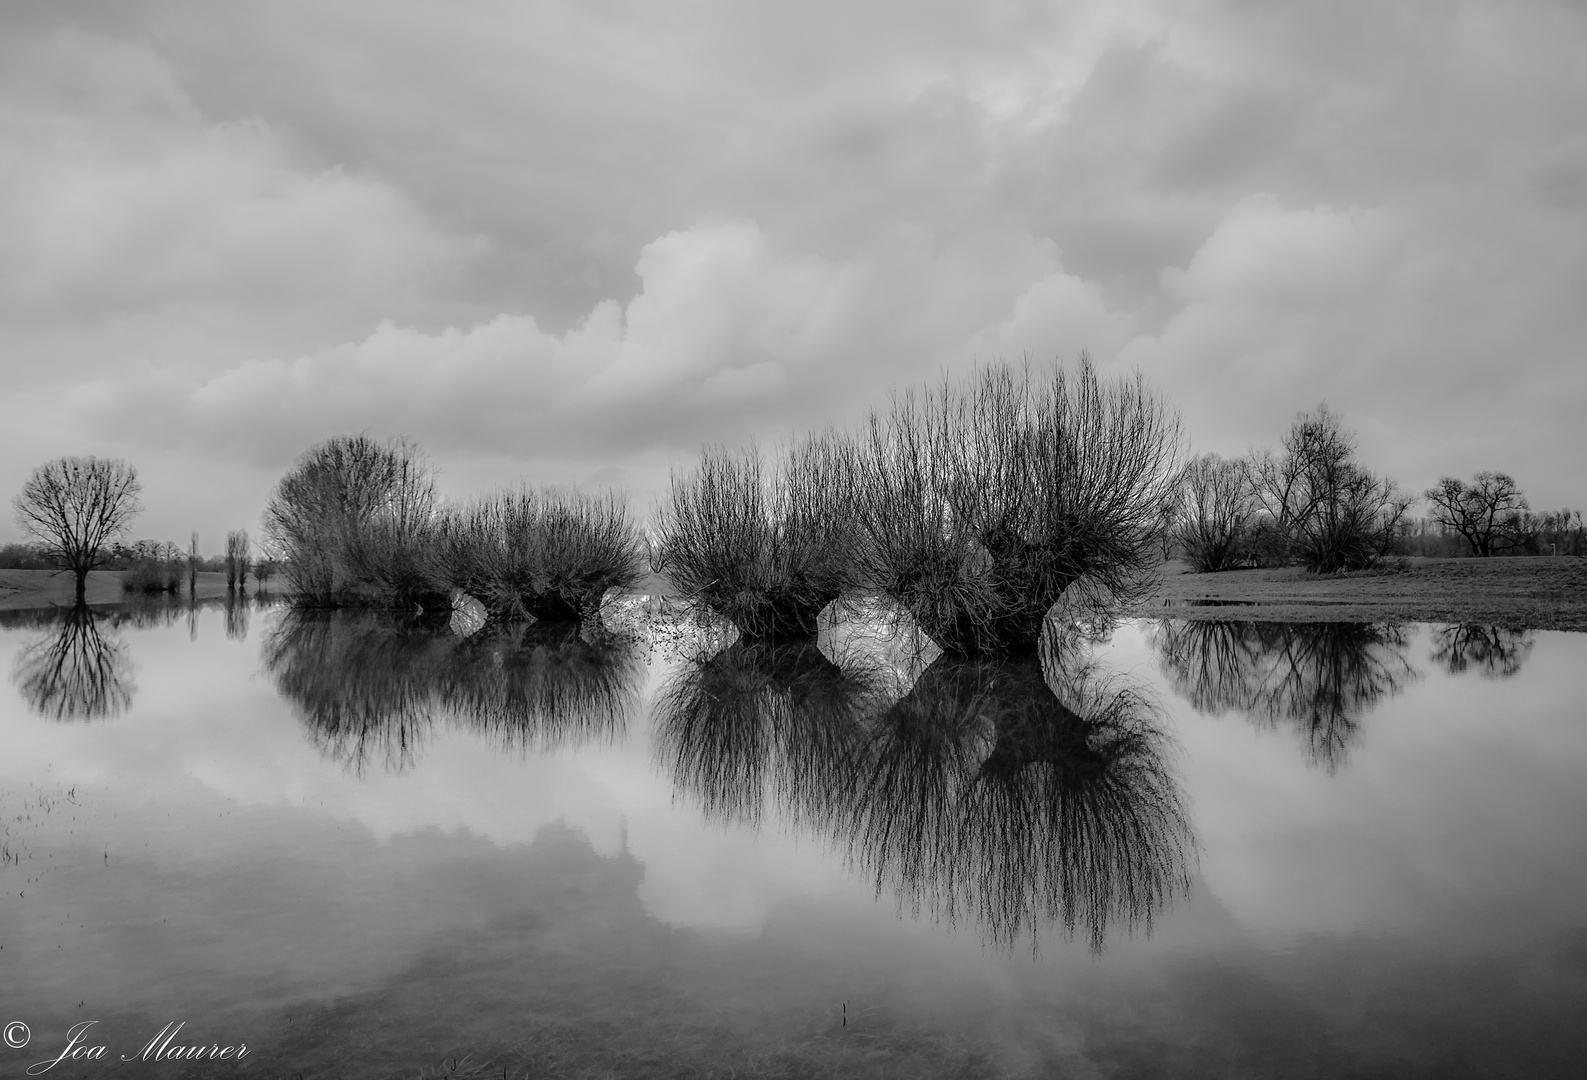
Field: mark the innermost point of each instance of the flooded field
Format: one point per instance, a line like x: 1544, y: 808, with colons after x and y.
x: 366, y: 846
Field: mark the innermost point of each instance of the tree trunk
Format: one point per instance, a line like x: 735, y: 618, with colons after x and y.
x: 82, y: 584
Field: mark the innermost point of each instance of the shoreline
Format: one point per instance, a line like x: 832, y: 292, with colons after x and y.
x: 1522, y: 592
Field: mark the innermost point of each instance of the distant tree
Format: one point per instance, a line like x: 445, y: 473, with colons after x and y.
x: 1561, y: 532
x: 1213, y: 512
x: 1490, y: 513
x: 192, y: 565
x: 75, y: 506
x: 1321, y: 506
x: 264, y: 569
x: 237, y: 559
x: 24, y: 557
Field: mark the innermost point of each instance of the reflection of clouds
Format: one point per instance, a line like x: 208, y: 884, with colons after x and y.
x: 81, y: 671
x: 1495, y: 652
x: 373, y: 687
x: 1318, y: 677
x: 977, y: 796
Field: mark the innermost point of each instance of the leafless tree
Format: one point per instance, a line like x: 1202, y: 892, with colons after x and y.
x: 765, y: 544
x: 1490, y: 513
x: 326, y: 512
x: 192, y: 565
x: 549, y: 553
x: 1319, y: 504
x: 237, y: 559
x: 978, y: 504
x: 75, y: 506
x: 1214, y: 509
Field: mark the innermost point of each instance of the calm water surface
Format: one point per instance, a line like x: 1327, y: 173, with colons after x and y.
x: 364, y: 847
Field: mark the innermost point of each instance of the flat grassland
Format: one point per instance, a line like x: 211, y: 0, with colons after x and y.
x: 21, y: 589
x: 1525, y: 593
x: 1540, y: 593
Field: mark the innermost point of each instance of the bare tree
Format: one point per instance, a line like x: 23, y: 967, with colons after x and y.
x: 192, y: 566
x: 1213, y: 512
x: 342, y: 498
x: 977, y: 505
x: 237, y: 559
x: 1319, y: 504
x: 1490, y: 513
x: 765, y: 544
x: 75, y: 506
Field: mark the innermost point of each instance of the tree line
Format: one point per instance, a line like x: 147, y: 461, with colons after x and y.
x: 75, y: 511
x: 1313, y: 503
x: 974, y: 504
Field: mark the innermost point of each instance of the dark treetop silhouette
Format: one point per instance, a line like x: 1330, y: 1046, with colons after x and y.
x: 1495, y: 652
x: 977, y: 796
x: 1319, y: 677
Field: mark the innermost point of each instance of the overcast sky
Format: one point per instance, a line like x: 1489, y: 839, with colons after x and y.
x: 573, y: 241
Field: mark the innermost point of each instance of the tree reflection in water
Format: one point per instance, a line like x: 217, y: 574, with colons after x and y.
x: 79, y: 670
x: 371, y: 688
x: 1494, y: 652
x: 236, y: 608
x: 1318, y: 677
x: 976, y: 796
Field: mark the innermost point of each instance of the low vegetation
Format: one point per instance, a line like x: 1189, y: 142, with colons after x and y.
x: 975, y: 504
x: 978, y: 504
x: 767, y: 545
x: 357, y: 522
x: 545, y: 552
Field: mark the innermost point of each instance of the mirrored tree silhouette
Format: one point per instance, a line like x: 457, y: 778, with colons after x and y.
x: 1318, y: 678
x: 1494, y: 652
x: 977, y: 797
x: 79, y: 669
x: 237, y: 610
x: 372, y: 688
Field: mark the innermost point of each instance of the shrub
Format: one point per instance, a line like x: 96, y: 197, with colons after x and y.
x: 350, y: 520
x: 547, y: 553
x: 766, y: 547
x: 979, y: 504
x: 152, y: 576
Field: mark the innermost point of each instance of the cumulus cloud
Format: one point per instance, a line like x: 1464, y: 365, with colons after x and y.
x: 117, y: 196
x: 600, y: 236
x: 729, y: 335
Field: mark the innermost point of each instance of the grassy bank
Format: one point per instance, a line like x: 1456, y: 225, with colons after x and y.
x: 1539, y: 593
x: 22, y: 589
